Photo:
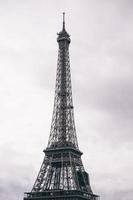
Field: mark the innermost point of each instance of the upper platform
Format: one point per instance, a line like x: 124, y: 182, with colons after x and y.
x: 63, y: 35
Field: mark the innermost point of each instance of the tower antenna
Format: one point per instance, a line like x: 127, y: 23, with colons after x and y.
x: 63, y: 20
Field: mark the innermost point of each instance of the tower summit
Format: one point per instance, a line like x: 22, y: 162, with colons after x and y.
x: 62, y: 175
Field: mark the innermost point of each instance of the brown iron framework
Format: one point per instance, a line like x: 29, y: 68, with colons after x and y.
x: 62, y: 175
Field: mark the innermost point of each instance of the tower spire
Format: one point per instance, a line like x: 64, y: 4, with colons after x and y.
x: 63, y: 20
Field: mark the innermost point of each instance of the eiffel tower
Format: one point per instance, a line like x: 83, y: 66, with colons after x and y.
x: 62, y: 175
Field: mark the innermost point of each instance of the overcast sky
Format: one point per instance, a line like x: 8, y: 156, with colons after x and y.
x: 102, y: 81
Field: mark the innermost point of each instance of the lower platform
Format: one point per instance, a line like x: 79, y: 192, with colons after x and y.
x: 60, y: 195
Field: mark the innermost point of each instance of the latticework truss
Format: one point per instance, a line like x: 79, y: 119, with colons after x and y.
x: 63, y: 127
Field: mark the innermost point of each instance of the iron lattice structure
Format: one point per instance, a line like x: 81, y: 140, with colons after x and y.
x: 62, y: 175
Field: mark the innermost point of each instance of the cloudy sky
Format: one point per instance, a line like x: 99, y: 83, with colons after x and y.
x: 102, y: 80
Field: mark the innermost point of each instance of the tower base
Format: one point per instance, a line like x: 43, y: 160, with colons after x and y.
x: 60, y: 195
